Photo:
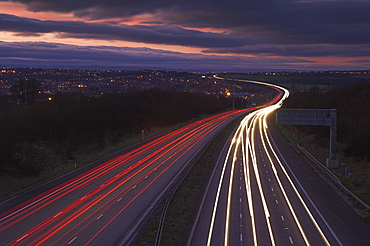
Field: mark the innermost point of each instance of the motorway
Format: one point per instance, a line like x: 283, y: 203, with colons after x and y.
x: 252, y: 199
x: 106, y: 204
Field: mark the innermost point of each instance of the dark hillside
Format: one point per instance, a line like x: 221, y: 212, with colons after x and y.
x: 40, y: 136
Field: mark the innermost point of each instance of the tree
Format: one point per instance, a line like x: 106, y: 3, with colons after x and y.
x: 26, y: 90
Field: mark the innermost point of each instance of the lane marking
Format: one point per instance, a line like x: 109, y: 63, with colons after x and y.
x: 22, y: 237
x: 58, y: 214
x: 72, y: 240
x: 282, y: 218
x: 291, y: 240
x: 99, y: 216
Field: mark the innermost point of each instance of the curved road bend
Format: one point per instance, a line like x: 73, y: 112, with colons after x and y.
x: 263, y: 193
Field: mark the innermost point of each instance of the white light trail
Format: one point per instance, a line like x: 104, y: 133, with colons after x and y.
x: 212, y: 223
x: 244, y: 144
x: 228, y: 209
x: 262, y: 131
x: 267, y: 137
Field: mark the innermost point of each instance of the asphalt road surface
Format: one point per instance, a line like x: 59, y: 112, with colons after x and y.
x: 106, y: 203
x: 262, y: 192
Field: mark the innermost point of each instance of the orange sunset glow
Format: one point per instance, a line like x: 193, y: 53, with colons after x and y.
x: 239, y: 36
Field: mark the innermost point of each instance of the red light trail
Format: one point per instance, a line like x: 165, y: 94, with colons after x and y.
x: 61, y: 214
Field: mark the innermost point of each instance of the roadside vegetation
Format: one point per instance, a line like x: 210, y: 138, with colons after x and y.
x: 43, y: 139
x: 186, y: 200
x: 353, y: 131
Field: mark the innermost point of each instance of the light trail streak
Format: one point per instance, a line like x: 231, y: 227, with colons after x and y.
x: 232, y: 151
x: 228, y: 209
x: 145, y: 188
x: 171, y: 146
x: 253, y: 127
x: 234, y: 146
x: 212, y: 223
x: 129, y: 170
x: 262, y: 129
x: 86, y: 178
x: 192, y: 141
x: 267, y: 137
x: 259, y: 184
x: 247, y: 176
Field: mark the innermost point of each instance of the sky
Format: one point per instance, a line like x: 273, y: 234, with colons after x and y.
x: 206, y: 35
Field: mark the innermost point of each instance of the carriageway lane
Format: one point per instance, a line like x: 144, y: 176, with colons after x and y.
x: 346, y: 224
x: 338, y: 222
x: 105, y: 204
x: 252, y: 200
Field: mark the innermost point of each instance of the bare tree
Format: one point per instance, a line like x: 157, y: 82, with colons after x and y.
x: 26, y: 90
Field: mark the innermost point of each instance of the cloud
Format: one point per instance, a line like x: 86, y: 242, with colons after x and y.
x: 61, y: 55
x: 304, y: 50
x: 257, y: 41
x: 278, y: 21
x: 236, y: 30
x: 156, y: 34
x: 364, y: 61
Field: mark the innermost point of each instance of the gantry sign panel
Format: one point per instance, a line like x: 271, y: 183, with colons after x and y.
x: 308, y: 117
x: 313, y: 117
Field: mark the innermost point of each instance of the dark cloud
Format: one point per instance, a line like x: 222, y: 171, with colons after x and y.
x: 283, y: 28
x: 280, y: 21
x: 157, y: 34
x: 60, y: 55
x: 363, y: 61
x: 308, y: 50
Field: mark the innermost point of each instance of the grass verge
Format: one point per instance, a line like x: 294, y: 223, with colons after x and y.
x: 357, y: 181
x: 185, y: 202
x: 12, y: 186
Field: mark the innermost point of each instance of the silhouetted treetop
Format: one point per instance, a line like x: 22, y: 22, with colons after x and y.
x: 26, y: 90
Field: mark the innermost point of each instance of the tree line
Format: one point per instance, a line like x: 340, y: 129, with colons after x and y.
x: 352, y: 103
x: 39, y: 135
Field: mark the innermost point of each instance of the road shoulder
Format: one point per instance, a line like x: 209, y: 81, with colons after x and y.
x: 350, y: 229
